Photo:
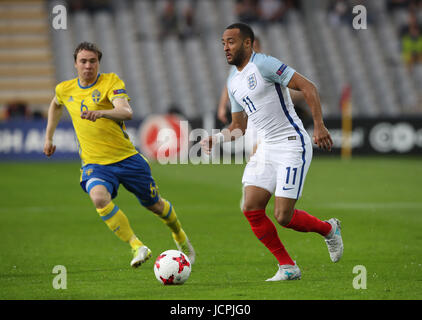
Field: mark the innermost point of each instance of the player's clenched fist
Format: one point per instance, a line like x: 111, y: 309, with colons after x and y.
x: 207, y: 144
x: 91, y: 115
x: 322, y: 138
x: 49, y: 148
x: 210, y: 141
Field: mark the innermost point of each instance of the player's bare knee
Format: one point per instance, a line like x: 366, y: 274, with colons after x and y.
x: 157, y: 207
x: 255, y: 199
x: 100, y: 202
x: 99, y: 198
x: 252, y: 207
x: 283, y: 216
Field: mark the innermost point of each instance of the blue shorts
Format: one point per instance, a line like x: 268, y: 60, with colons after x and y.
x: 134, y: 173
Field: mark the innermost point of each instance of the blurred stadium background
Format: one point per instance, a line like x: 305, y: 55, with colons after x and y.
x: 169, y: 55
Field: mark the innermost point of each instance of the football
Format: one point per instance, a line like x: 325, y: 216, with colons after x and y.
x: 172, y: 267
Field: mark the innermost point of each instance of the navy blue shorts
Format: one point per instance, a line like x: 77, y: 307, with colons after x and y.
x: 134, y: 173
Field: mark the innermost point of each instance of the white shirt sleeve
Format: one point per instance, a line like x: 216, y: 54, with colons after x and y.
x: 273, y: 69
x: 236, y: 107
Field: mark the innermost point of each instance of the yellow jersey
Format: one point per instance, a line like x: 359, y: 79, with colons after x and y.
x: 104, y: 141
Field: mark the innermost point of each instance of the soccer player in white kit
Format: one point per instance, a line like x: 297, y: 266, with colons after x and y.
x: 258, y: 90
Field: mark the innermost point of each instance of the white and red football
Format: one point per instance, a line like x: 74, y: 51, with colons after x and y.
x: 172, y: 267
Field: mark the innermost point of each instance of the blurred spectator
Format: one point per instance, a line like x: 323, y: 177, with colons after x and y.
x: 247, y: 11
x: 187, y: 23
x: 89, y: 5
x: 37, y: 115
x: 169, y: 20
x: 99, y: 5
x: 17, y: 110
x: 399, y: 10
x: 177, y: 18
x: 174, y: 109
x: 411, y: 42
x: 415, y: 6
x: 339, y: 12
x: 393, y: 5
x: 273, y: 10
x: 76, y: 5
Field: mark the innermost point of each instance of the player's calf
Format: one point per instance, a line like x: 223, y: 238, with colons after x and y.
x: 304, y: 222
x: 166, y: 212
x: 266, y: 232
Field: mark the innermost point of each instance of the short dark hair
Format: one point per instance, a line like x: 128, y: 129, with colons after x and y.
x: 89, y: 47
x: 245, y: 30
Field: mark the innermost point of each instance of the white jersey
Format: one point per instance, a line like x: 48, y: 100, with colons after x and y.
x: 260, y: 90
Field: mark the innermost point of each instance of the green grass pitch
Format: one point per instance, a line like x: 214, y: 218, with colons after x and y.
x: 47, y: 220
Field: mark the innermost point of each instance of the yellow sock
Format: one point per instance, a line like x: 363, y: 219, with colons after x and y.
x: 117, y: 221
x: 135, y: 243
x: 169, y: 217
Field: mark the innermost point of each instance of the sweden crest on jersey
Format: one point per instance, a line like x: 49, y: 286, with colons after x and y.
x: 251, y: 81
x: 96, y: 96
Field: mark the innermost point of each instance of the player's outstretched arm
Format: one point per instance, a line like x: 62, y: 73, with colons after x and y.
x: 235, y: 130
x: 222, y: 105
x: 321, y: 136
x: 121, y: 112
x: 54, y: 114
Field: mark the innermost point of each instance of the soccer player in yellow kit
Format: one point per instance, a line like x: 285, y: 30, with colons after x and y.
x: 98, y: 105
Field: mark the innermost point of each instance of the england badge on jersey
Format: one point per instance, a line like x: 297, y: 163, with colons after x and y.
x: 251, y: 81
